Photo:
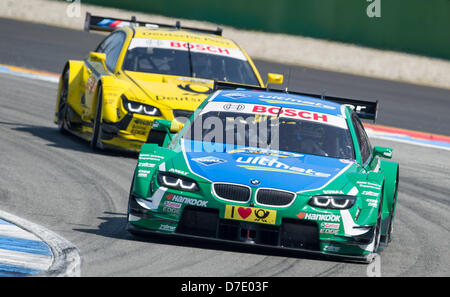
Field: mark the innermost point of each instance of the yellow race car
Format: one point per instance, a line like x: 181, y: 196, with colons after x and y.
x: 145, y: 71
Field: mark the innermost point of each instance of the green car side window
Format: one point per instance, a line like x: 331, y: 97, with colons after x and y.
x: 363, y: 141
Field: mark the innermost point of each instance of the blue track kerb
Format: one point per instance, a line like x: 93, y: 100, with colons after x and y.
x: 19, y: 246
x: 23, y: 245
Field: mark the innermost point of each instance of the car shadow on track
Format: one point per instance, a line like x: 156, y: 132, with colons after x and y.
x: 66, y: 141
x: 114, y: 226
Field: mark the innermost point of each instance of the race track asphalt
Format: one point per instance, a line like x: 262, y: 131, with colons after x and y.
x: 56, y: 180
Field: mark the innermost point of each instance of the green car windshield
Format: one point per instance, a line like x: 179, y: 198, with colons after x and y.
x: 291, y: 135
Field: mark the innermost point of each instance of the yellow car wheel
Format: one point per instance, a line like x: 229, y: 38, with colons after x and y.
x: 63, y: 105
x: 96, y: 128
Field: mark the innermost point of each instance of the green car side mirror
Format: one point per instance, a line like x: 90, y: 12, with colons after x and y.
x: 167, y: 126
x: 161, y: 132
x: 384, y: 152
x: 162, y: 125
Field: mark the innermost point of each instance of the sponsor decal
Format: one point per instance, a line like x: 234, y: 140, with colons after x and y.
x: 330, y: 225
x: 291, y: 113
x: 91, y: 84
x: 177, y: 171
x: 143, y: 122
x: 192, y: 88
x: 143, y: 173
x: 319, y: 217
x: 186, y: 98
x: 193, y: 79
x: 328, y: 192
x: 329, y: 231
x: 331, y: 248
x: 293, y: 101
x: 255, y: 182
x: 370, y: 193
x: 186, y: 200
x: 272, y: 164
x: 198, y: 47
x: 165, y: 227
x: 250, y: 214
x: 172, y: 204
x: 138, y: 129
x: 146, y: 164
x: 265, y: 151
x: 364, y: 184
x: 329, y: 228
x: 150, y: 157
x: 172, y: 207
x: 274, y: 111
x: 372, y: 202
x: 210, y: 160
x: 185, y: 46
x: 233, y: 107
x: 236, y: 95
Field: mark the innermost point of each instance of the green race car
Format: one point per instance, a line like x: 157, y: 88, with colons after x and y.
x: 270, y: 168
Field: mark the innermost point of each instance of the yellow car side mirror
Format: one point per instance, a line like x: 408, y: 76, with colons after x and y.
x: 98, y: 57
x: 273, y: 78
x: 176, y: 126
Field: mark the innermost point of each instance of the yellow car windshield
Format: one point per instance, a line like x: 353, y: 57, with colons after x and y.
x: 189, y: 59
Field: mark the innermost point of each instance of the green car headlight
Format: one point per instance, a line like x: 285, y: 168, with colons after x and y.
x: 332, y: 201
x: 177, y: 182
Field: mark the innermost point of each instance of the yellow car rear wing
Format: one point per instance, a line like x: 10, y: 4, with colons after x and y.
x: 108, y: 24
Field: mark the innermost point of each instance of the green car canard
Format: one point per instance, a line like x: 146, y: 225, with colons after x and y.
x: 271, y: 168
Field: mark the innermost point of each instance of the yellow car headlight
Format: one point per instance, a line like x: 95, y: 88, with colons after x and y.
x: 140, y: 108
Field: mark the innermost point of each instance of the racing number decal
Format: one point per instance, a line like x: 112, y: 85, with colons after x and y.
x: 91, y: 83
x: 250, y: 214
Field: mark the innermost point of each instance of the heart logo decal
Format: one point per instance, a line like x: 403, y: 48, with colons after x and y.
x: 244, y: 212
x: 301, y: 215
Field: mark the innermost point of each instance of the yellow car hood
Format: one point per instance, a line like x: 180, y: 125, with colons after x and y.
x: 172, y: 92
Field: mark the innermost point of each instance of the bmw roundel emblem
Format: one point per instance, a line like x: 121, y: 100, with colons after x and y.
x: 255, y: 182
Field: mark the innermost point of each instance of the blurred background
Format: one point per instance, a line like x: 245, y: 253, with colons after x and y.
x: 413, y: 26
x: 400, y: 40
